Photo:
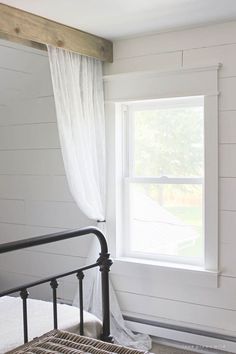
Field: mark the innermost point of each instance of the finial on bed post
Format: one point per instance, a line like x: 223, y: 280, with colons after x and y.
x: 104, y: 265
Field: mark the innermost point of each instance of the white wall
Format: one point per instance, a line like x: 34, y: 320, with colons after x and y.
x: 34, y: 195
x: 170, y: 299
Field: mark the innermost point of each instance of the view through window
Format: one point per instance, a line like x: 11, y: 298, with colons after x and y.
x: 164, y: 179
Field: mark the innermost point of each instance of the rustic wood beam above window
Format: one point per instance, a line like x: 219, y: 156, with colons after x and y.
x: 35, y: 31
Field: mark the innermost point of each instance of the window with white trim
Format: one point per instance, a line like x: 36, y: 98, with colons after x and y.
x: 163, y: 195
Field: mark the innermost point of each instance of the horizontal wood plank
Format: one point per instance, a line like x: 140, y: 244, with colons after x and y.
x: 41, y: 188
x: 220, y: 297
x: 28, y: 162
x: 20, y: 86
x: 204, y: 36
x: 11, y: 279
x: 224, y: 54
x: 186, y: 314
x: 227, y: 160
x: 227, y: 259
x: 227, y: 194
x: 65, y: 292
x: 34, y: 136
x: 227, y: 227
x: 34, y: 111
x: 15, y: 23
x: 74, y: 247
x: 160, y: 62
x: 41, y: 264
x: 227, y: 88
x: 55, y: 214
x: 77, y: 247
x: 12, y: 211
x: 13, y: 79
x: 227, y: 127
x: 19, y: 59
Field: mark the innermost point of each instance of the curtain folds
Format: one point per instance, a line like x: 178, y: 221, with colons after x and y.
x: 78, y: 92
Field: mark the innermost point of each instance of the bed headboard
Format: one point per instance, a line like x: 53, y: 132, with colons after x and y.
x: 103, y: 263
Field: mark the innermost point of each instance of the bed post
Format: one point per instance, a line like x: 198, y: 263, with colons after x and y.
x: 104, y: 265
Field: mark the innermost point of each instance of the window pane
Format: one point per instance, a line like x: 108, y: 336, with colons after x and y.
x: 168, y: 141
x: 166, y: 219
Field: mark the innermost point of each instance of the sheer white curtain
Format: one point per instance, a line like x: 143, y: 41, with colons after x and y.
x: 78, y: 92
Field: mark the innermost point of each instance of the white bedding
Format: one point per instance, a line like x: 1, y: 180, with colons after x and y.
x: 40, y: 321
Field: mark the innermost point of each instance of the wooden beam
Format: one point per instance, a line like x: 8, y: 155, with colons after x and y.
x: 35, y: 31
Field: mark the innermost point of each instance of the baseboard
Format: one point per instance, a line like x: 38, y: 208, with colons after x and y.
x: 182, y: 337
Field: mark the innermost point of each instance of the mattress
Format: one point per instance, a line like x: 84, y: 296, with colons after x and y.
x: 40, y: 321
x: 67, y: 343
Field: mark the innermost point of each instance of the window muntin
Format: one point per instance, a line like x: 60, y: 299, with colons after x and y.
x: 164, y: 176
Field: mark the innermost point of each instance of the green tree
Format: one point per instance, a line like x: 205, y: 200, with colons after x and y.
x: 169, y: 142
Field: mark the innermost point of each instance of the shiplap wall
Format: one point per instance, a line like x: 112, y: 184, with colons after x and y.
x: 159, y: 297
x: 34, y: 195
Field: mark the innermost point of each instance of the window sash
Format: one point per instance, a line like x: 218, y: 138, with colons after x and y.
x: 158, y: 257
x: 129, y: 178
x: 128, y: 127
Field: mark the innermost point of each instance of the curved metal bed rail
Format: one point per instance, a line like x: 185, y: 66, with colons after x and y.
x: 103, y: 262
x: 59, y: 236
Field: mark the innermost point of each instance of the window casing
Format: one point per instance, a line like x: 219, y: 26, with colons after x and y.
x: 124, y: 90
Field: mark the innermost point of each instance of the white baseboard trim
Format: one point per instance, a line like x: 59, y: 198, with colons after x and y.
x: 183, y: 340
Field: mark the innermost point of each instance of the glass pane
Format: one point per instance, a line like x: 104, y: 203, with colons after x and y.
x: 166, y: 219
x: 168, y: 141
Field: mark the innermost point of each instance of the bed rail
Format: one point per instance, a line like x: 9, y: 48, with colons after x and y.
x: 103, y: 262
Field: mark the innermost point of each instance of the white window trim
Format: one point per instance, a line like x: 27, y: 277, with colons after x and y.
x: 161, y: 271
x: 120, y: 89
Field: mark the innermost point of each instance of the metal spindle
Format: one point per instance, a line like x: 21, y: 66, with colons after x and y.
x: 54, y: 286
x: 80, y: 276
x: 24, y: 295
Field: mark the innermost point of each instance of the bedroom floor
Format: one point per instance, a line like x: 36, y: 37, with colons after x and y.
x: 163, y: 349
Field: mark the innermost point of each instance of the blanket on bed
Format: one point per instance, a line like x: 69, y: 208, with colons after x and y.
x: 40, y: 321
x: 67, y: 343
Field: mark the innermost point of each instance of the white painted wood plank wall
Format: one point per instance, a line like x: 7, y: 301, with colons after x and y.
x: 34, y: 194
x: 161, y: 298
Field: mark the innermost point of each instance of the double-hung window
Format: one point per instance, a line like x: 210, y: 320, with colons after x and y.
x: 163, y: 196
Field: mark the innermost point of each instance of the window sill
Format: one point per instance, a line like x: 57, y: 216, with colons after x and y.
x: 167, y: 272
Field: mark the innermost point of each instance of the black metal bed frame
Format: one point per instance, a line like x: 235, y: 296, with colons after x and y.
x: 103, y: 262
